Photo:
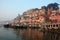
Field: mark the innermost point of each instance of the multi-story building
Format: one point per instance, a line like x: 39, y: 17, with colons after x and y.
x: 39, y: 16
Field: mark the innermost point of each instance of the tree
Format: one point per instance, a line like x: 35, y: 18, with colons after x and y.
x: 53, y: 6
x: 56, y: 6
x: 44, y: 7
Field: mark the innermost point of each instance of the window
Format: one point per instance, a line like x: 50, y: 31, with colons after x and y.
x: 56, y: 25
x: 53, y: 25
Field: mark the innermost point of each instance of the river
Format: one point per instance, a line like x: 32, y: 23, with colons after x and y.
x: 20, y: 34
x: 27, y: 34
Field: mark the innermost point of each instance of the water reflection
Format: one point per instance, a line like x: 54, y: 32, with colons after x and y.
x: 36, y: 34
x: 48, y: 35
x: 30, y: 34
x: 27, y: 34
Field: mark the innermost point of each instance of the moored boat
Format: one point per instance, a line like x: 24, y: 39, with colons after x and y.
x: 7, y: 25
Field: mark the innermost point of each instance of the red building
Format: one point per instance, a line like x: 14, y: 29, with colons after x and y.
x: 55, y: 18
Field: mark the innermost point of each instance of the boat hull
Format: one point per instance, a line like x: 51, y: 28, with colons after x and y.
x: 7, y: 25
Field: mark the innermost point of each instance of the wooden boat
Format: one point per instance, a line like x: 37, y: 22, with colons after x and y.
x: 7, y: 25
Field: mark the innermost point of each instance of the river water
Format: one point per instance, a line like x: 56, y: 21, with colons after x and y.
x: 20, y: 34
x: 27, y: 34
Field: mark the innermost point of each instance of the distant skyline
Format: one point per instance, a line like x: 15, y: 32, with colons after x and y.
x: 9, y: 9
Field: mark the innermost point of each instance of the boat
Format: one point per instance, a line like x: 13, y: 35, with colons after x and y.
x: 7, y: 25
x: 20, y: 26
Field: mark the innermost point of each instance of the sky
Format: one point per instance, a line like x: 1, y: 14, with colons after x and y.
x: 9, y: 9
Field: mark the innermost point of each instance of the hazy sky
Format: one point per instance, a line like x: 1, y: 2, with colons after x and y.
x: 9, y: 9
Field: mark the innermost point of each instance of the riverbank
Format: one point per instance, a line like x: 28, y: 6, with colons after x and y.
x: 21, y: 26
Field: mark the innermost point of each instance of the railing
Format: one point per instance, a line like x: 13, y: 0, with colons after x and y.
x: 50, y: 26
